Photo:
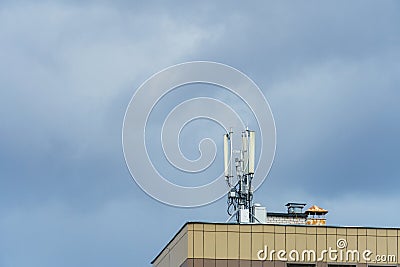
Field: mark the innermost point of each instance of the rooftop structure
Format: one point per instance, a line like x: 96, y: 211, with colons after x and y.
x: 257, y: 245
x: 316, y: 215
x: 272, y: 239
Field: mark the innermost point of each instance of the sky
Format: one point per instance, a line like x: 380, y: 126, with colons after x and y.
x: 330, y: 71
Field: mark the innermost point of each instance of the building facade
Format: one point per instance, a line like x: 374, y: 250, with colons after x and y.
x: 275, y: 245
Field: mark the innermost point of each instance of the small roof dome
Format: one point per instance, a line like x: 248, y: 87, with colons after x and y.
x: 316, y: 210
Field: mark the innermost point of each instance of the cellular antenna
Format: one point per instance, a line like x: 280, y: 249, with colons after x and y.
x: 240, y: 195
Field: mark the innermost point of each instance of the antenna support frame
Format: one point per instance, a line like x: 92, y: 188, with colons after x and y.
x: 240, y: 195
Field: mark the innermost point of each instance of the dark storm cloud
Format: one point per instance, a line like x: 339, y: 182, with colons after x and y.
x: 68, y: 70
x: 67, y: 74
x: 65, y: 69
x: 348, y: 139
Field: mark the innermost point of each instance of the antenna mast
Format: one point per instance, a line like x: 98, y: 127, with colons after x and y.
x: 240, y: 195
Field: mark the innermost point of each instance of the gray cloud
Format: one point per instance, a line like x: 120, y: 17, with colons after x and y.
x: 68, y: 70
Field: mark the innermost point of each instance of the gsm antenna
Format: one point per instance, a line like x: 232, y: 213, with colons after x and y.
x: 239, y: 173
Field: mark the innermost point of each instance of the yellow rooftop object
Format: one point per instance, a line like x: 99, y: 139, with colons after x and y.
x: 316, y: 215
x: 316, y: 210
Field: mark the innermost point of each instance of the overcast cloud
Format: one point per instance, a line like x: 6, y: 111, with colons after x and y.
x: 330, y: 71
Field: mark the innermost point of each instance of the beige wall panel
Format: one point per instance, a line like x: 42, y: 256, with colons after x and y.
x: 352, y: 231
x: 280, y: 229
x: 221, y: 245
x: 280, y: 243
x: 331, y: 241
x: 321, y: 243
x: 190, y: 244
x: 185, y: 245
x: 362, y: 231
x: 371, y: 243
x: 312, y: 242
x: 174, y: 242
x: 244, y: 241
x: 245, y: 246
x: 371, y: 232
x: 392, y: 246
x: 272, y: 229
x: 381, y: 232
x: 221, y: 227
x: 290, y: 229
x: 233, y: 245
x: 163, y: 258
x: 321, y: 230
x: 301, y: 242
x: 158, y: 262
x: 198, y: 251
x: 381, y: 245
x: 362, y: 245
x: 331, y: 231
x: 341, y: 231
x: 398, y: 246
x: 290, y: 242
x: 301, y: 230
x: 311, y: 230
x: 257, y: 228
x: 209, y: 245
x: 257, y: 243
x: 198, y: 227
x: 341, y: 256
x: 178, y: 236
x: 245, y: 228
x: 391, y: 232
x: 233, y: 227
x: 209, y: 227
x: 178, y: 253
x: 269, y: 240
x: 352, y: 242
x: 164, y: 262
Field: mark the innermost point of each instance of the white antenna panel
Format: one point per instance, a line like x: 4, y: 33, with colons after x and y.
x: 226, y: 156
x: 245, y: 153
x: 252, y: 143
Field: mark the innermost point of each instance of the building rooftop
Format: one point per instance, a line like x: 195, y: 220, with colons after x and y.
x: 232, y: 244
